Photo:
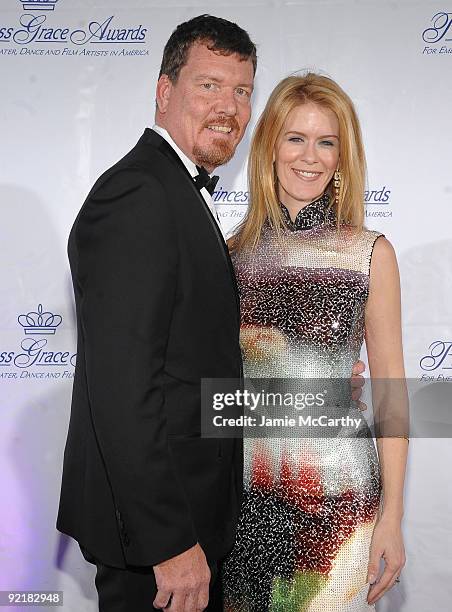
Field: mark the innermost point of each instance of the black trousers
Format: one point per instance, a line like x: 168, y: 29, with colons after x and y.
x: 134, y: 589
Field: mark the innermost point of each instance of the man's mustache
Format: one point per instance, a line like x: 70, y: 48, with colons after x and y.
x: 224, y: 122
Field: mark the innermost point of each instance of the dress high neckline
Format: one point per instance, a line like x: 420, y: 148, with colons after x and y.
x: 312, y: 215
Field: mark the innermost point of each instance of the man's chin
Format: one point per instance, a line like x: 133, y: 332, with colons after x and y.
x: 213, y: 156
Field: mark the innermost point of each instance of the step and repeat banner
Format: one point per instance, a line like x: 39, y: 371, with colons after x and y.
x: 77, y: 82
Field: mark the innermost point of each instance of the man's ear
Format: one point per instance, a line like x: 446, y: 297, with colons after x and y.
x: 163, y: 93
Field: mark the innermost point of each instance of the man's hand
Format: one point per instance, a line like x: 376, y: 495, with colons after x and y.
x: 358, y: 383
x: 183, y: 582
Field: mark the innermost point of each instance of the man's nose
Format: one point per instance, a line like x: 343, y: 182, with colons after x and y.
x: 226, y: 103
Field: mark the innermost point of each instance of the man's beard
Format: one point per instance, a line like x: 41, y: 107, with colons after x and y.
x: 217, y: 154
x: 220, y: 151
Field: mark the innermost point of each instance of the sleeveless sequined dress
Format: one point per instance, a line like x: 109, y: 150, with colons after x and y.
x: 310, y: 504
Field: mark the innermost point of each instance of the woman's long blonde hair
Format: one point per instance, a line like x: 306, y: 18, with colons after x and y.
x: 264, y: 202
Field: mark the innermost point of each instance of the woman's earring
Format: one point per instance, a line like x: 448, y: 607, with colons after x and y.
x: 337, y: 186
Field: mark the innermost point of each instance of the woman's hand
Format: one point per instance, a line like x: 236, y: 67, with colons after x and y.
x: 387, y: 543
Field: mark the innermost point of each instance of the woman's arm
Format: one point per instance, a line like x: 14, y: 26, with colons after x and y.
x: 385, y: 354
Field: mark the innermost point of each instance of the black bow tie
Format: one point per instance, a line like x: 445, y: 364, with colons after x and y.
x: 205, y: 180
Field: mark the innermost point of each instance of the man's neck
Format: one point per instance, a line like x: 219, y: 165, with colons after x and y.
x: 187, y: 154
x: 188, y: 162
x: 175, y: 141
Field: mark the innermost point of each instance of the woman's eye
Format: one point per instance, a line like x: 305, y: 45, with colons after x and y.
x: 295, y: 139
x: 329, y: 143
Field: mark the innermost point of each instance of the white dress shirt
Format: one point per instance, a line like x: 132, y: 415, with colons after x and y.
x: 191, y: 167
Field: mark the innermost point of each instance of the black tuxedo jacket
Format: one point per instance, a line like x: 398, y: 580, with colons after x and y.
x: 157, y: 310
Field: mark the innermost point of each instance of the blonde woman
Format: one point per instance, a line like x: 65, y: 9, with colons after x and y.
x: 319, y: 513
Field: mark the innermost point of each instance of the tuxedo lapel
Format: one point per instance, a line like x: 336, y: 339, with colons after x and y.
x: 164, y: 147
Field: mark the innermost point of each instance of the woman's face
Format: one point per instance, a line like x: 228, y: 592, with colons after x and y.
x: 306, y: 154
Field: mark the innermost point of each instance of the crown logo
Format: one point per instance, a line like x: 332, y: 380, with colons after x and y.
x: 40, y: 322
x: 39, y: 5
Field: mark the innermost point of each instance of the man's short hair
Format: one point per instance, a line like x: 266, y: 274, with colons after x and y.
x: 216, y: 33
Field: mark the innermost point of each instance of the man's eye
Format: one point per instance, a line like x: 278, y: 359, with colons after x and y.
x: 207, y: 85
x: 242, y: 92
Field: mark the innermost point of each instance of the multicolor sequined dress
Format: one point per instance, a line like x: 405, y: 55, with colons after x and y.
x: 310, y: 504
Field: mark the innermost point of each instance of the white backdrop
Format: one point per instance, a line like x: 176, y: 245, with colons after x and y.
x: 77, y: 82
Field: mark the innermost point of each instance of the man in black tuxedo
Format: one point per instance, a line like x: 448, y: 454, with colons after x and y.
x: 150, y: 502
